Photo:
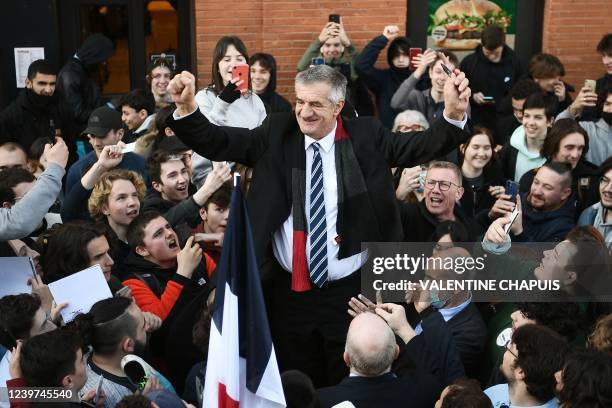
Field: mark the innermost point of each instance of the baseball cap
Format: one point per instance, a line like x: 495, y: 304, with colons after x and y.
x: 102, y: 120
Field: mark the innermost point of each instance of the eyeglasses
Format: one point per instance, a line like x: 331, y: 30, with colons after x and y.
x: 507, y: 347
x: 604, y: 181
x: 444, y: 185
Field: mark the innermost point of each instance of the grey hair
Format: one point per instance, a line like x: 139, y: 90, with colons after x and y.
x: 371, y: 362
x: 439, y: 164
x: 325, y: 73
x: 412, y: 116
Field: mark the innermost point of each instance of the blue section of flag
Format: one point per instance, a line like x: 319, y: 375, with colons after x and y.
x: 238, y: 269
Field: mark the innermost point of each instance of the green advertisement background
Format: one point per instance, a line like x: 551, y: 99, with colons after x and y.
x: 507, y: 5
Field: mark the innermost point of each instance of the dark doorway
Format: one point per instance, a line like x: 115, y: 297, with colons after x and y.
x: 139, y: 30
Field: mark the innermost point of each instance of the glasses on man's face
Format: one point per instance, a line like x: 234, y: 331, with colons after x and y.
x: 444, y: 185
x: 507, y: 347
x: 604, y: 182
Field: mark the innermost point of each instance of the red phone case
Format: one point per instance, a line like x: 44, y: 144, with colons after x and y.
x: 413, y: 52
x: 242, y: 72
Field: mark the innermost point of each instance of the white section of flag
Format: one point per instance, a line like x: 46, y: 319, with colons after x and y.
x: 224, y: 366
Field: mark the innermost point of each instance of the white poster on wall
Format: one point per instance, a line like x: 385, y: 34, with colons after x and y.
x: 23, y: 58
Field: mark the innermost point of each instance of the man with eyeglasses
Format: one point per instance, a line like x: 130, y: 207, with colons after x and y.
x: 599, y: 214
x: 442, y: 192
x: 533, y: 356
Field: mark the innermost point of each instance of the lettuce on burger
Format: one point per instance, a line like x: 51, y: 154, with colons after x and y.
x: 462, y: 22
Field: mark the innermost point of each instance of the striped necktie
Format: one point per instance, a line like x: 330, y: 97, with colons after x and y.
x: 317, y: 224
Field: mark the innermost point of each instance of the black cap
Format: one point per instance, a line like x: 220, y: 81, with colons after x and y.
x: 102, y: 120
x: 172, y: 144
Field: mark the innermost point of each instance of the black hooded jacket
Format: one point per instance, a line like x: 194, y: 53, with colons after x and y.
x: 78, y: 93
x: 271, y: 99
x: 30, y: 117
x: 492, y: 79
x: 381, y: 82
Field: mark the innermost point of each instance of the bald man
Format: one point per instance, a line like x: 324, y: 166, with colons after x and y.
x: 369, y: 353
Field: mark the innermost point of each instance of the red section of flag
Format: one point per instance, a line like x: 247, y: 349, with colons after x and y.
x: 300, y: 278
x: 225, y: 401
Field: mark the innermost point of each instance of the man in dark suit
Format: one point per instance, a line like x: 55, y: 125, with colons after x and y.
x: 370, y: 351
x: 321, y: 186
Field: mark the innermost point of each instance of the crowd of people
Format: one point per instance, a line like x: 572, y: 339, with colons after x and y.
x: 425, y: 150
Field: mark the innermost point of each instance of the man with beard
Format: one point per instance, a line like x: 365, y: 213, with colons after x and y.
x: 532, y: 357
x: 549, y: 207
x: 114, y: 328
x: 599, y: 214
x: 35, y: 112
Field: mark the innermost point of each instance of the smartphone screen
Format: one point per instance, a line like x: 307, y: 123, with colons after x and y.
x: 512, y: 188
x: 317, y: 61
x: 590, y: 83
x: 334, y: 18
x: 413, y: 52
x: 242, y: 72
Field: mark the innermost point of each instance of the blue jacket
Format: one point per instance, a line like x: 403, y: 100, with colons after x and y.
x: 547, y: 226
x: 131, y: 161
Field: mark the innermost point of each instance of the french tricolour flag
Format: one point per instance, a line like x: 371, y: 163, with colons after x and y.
x: 241, y: 369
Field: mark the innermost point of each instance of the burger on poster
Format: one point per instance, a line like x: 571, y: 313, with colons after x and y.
x: 458, y: 24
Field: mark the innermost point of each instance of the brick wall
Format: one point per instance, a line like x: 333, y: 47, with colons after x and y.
x: 285, y: 28
x: 572, y: 29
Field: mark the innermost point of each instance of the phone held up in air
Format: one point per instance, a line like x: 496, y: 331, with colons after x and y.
x: 512, y: 188
x: 334, y: 18
x: 241, y: 72
x: 513, y: 216
x: 590, y: 83
x: 317, y: 61
x: 413, y: 52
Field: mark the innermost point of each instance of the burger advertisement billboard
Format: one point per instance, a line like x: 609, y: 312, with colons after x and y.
x: 458, y: 24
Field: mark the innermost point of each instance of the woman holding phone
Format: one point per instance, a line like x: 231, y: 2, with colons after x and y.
x: 227, y: 101
x: 483, y: 179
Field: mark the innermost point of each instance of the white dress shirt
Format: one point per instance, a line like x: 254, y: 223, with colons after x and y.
x: 283, y: 238
x: 282, y: 242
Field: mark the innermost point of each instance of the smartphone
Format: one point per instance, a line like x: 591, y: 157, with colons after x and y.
x: 446, y: 70
x: 334, y: 18
x: 512, y: 188
x: 590, y: 83
x: 317, y: 61
x: 512, y: 219
x: 422, y: 176
x: 413, y: 52
x: 98, y: 389
x: 242, y: 72
x: 488, y: 98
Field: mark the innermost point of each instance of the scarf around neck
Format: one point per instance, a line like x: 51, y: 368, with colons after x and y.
x: 351, y: 191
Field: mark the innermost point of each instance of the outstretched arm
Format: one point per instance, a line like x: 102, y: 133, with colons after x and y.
x: 218, y: 143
